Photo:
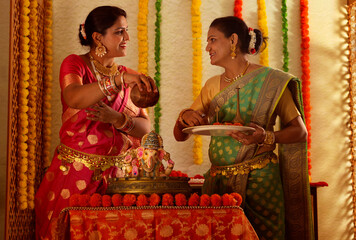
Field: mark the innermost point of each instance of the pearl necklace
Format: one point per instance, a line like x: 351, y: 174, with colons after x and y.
x: 229, y: 80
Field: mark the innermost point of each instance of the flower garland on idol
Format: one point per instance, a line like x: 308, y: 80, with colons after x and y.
x: 142, y: 36
x: 305, y: 70
x: 238, y: 9
x: 23, y: 104
x: 285, y: 36
x: 197, y: 71
x: 33, y: 119
x: 262, y: 23
x: 47, y: 84
x: 157, y: 77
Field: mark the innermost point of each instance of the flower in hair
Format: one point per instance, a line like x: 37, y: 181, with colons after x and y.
x: 82, y: 31
x: 252, y: 44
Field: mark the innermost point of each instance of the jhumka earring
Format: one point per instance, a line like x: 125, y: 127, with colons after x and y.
x: 100, y: 50
x: 233, y: 53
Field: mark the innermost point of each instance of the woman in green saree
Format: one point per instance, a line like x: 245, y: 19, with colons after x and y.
x: 275, y: 189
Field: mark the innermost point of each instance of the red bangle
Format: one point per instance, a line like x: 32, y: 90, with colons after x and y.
x: 128, y: 124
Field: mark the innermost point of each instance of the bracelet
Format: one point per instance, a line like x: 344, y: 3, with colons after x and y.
x: 103, y: 89
x: 122, y: 80
x: 128, y: 124
x: 270, y: 138
x: 180, y: 117
x: 110, y: 86
x: 107, y: 86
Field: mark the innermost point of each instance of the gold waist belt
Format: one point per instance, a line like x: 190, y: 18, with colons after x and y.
x: 245, y: 167
x: 91, y: 161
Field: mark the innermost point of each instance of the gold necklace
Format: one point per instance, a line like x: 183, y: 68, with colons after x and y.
x: 229, y: 80
x: 107, y: 71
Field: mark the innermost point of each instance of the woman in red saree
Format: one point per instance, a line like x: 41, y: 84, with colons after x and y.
x: 99, y: 120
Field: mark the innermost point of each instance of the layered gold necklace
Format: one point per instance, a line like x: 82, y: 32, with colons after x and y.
x: 106, y: 71
x: 229, y: 80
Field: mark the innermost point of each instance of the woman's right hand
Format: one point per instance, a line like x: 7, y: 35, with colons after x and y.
x: 140, y: 80
x: 194, y: 118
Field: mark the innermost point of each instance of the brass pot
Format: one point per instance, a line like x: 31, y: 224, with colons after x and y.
x: 143, y: 99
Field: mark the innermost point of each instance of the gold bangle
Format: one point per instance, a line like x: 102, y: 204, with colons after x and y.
x: 124, y: 123
x: 122, y: 79
x: 270, y: 138
x: 180, y: 118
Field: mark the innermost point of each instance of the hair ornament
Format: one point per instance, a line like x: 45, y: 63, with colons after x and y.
x: 82, y: 31
x: 251, y: 46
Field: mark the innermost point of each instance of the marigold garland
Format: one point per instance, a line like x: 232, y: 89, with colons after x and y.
x: 238, y: 9
x: 142, y: 36
x: 262, y: 23
x: 47, y: 84
x: 197, y: 71
x: 306, y: 71
x: 117, y: 200
x: 23, y: 121
x: 352, y: 104
x: 285, y: 36
x: 32, y: 104
x: 157, y: 108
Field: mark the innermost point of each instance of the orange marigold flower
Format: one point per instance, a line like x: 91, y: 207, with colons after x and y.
x: 194, y: 200
x: 142, y: 200
x: 74, y: 200
x: 95, y: 200
x: 215, y: 200
x: 84, y: 200
x: 205, y: 200
x: 106, y: 199
x: 227, y: 200
x: 167, y: 200
x: 180, y: 199
x: 154, y: 199
x: 129, y: 200
x: 237, y: 198
x: 116, y: 200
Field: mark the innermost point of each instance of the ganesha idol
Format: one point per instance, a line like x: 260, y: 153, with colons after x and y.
x: 146, y: 170
x: 146, y: 160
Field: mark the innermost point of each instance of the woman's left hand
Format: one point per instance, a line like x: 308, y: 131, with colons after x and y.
x: 257, y: 137
x: 103, y: 113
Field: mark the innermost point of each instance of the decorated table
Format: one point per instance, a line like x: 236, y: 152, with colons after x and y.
x: 155, y: 222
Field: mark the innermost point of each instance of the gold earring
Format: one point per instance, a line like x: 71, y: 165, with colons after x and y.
x: 233, y: 53
x: 100, y: 50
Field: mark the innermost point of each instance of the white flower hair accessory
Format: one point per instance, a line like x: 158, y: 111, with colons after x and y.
x: 252, y: 44
x: 82, y: 31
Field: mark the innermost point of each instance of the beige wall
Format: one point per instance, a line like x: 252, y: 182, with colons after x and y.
x: 328, y: 86
x: 4, y: 59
